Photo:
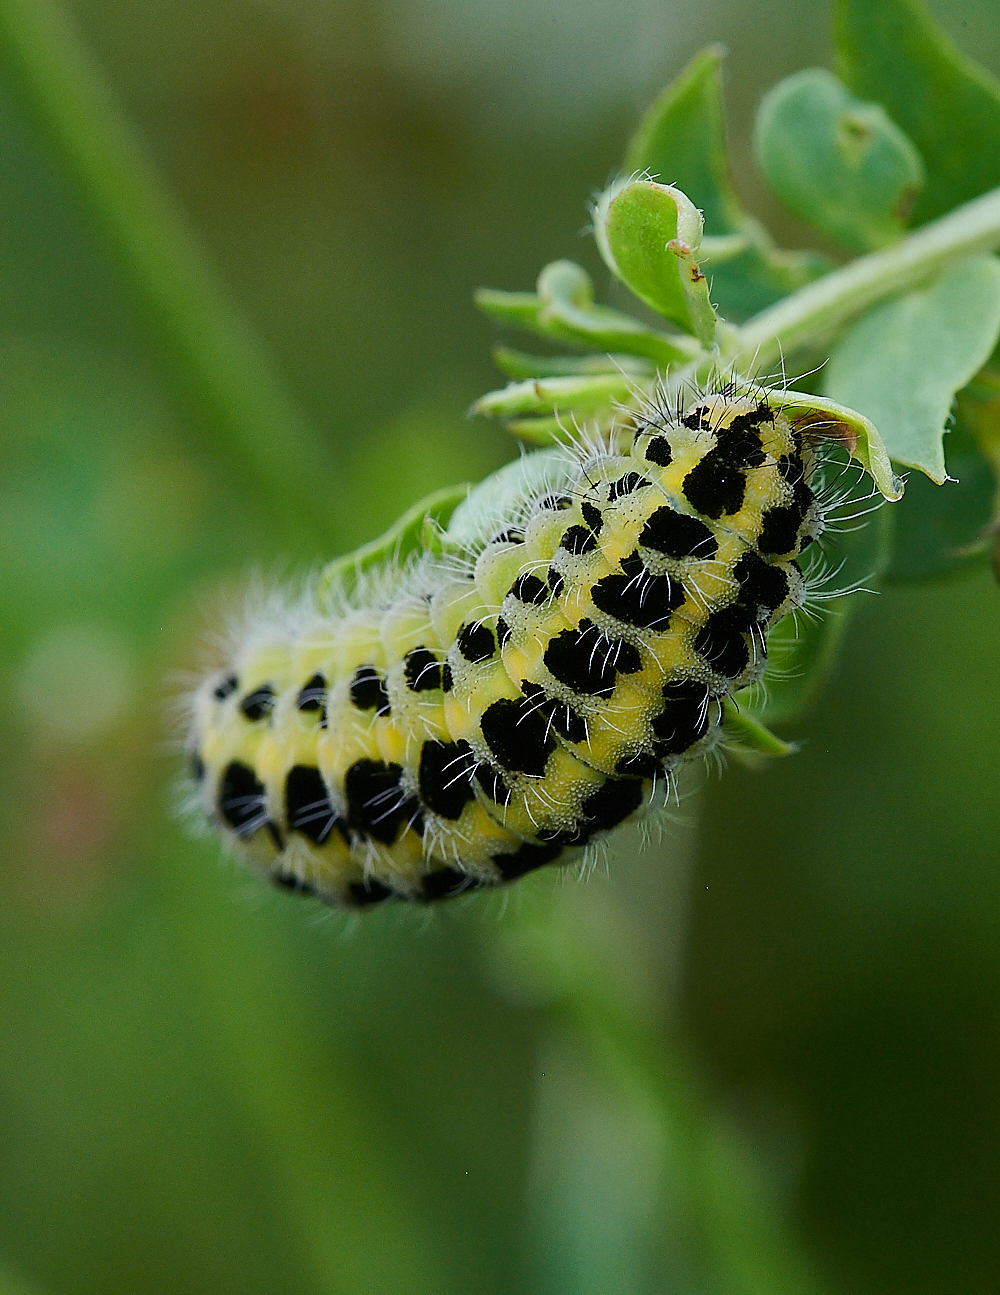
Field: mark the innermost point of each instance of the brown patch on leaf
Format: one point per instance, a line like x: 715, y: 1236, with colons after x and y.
x: 819, y: 426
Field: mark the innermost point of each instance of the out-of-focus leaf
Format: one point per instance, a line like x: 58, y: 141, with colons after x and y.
x: 902, y: 364
x: 649, y: 235
x: 404, y: 537
x: 539, y: 431
x: 583, y: 394
x: 682, y: 141
x: 489, y: 503
x: 11, y: 1285
x: 802, y: 649
x: 846, y: 427
x: 751, y: 735
x: 564, y: 310
x: 892, y: 51
x: 939, y: 528
x: 836, y: 161
x: 720, y: 248
x: 520, y: 366
x: 978, y: 410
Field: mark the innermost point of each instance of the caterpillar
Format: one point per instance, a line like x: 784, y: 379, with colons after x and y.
x: 506, y: 699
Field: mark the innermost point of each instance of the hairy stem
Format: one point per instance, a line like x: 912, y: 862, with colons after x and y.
x: 219, y: 362
x: 814, y: 312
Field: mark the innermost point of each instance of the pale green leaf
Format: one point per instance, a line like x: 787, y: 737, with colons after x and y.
x: 843, y: 426
x: 520, y: 366
x: 649, y: 235
x: 563, y: 309
x: 582, y: 395
x: 415, y: 530
x: 836, y: 161
x: 902, y: 364
x: 681, y: 140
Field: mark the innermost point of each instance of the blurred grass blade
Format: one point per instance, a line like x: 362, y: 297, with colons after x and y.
x: 901, y: 365
x: 836, y: 161
x: 219, y: 362
x: 681, y: 140
x: 11, y: 1285
x: 335, y: 1190
x: 893, y: 52
x: 595, y: 1179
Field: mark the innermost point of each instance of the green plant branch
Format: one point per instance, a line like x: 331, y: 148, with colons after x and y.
x: 220, y: 363
x: 814, y: 312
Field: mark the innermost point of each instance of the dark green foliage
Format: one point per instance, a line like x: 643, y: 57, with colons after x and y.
x: 939, y: 529
x: 838, y: 162
x: 892, y: 52
x: 682, y: 141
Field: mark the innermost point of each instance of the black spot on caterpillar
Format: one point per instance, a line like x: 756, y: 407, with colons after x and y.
x: 406, y: 741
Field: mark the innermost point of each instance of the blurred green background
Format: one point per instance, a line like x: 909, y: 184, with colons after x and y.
x: 208, y: 1088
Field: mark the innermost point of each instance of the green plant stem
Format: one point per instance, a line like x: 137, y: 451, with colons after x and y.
x: 219, y: 362
x: 734, y: 1219
x: 746, y: 1246
x: 817, y: 310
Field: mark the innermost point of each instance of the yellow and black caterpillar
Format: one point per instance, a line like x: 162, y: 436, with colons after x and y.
x: 474, y: 713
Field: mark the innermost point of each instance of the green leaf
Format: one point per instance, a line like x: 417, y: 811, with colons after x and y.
x: 475, y: 518
x: 836, y: 161
x: 802, y: 649
x: 720, y: 248
x: 891, y: 51
x: 847, y: 428
x: 521, y: 366
x: 681, y: 140
x: 939, y: 528
x: 649, y: 236
x: 750, y: 734
x: 564, y: 310
x: 581, y: 395
x: 516, y: 309
x: 901, y: 364
x: 11, y: 1285
x: 415, y: 530
x: 539, y: 431
x: 567, y: 296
